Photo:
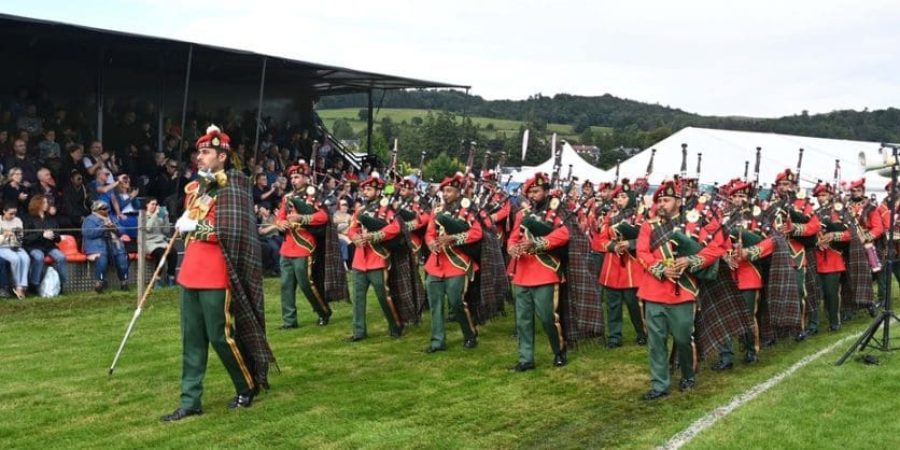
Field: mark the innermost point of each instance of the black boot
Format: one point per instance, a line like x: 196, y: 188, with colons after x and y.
x: 179, y: 414
x: 242, y: 400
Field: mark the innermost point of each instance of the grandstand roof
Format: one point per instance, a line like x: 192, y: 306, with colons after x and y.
x: 242, y: 64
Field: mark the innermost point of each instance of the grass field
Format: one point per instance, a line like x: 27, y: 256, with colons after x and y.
x: 385, y: 393
x: 398, y: 115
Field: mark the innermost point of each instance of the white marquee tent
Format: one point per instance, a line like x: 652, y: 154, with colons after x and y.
x: 581, y: 169
x: 725, y: 152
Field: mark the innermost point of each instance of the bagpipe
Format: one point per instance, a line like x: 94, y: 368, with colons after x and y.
x: 374, y: 220
x: 450, y: 222
x: 300, y: 205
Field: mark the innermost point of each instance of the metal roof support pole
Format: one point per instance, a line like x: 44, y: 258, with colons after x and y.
x: 184, y: 102
x: 259, y: 104
x: 101, y: 62
x: 160, y: 101
x: 369, y: 121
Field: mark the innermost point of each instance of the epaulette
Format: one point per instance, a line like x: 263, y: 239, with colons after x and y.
x: 192, y: 188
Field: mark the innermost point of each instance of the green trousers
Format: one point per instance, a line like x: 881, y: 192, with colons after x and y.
x: 454, y: 289
x: 614, y: 300
x: 205, y: 320
x: 810, y: 320
x: 378, y: 280
x: 543, y: 302
x: 830, y: 286
x: 750, y: 341
x: 294, y: 272
x: 663, y: 320
x: 596, y: 267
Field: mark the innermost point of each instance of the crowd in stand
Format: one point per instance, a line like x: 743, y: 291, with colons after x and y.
x: 59, y: 179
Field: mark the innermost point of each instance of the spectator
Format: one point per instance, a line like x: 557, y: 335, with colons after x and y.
x: 126, y: 206
x: 11, y: 248
x: 341, y: 220
x: 15, y: 191
x: 156, y: 239
x: 46, y: 186
x: 30, y: 122
x: 95, y: 159
x: 49, y: 151
x: 165, y: 186
x: 76, y: 201
x: 5, y: 144
x: 271, y: 172
x: 102, y: 244
x: 40, y: 240
x: 270, y: 238
x: 21, y: 160
x: 102, y: 186
x: 261, y: 190
x: 73, y: 161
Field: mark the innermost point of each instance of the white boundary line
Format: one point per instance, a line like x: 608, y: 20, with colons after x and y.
x: 689, y: 433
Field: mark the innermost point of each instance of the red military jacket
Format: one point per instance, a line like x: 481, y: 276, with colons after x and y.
x: 872, y: 226
x: 830, y: 259
x: 452, y: 261
x: 811, y: 228
x: 497, y: 212
x: 203, y: 266
x: 619, y: 271
x: 298, y: 241
x: 540, y: 267
x: 373, y: 255
x: 655, y: 287
x: 747, y: 275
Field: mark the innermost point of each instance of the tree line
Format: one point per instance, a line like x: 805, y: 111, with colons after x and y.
x: 633, y: 124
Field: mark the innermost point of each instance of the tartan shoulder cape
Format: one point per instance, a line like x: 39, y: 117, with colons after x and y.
x: 721, y: 312
x: 404, y: 283
x: 582, y: 311
x: 491, y: 284
x: 329, y: 274
x: 236, y: 230
x: 856, y: 286
x: 782, y: 292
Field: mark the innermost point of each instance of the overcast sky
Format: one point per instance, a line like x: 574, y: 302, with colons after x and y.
x: 760, y: 58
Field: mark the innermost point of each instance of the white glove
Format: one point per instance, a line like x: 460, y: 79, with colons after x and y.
x: 185, y: 225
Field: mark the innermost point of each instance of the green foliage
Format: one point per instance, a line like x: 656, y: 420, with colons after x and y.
x: 442, y: 166
x: 341, y: 129
x: 630, y: 118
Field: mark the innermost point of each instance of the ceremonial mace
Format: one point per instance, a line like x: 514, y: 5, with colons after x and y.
x: 140, y: 306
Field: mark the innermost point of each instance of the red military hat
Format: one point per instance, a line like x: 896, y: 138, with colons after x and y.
x: 823, y: 187
x: 488, y: 176
x: 458, y: 181
x: 624, y: 186
x: 667, y: 188
x: 301, y: 167
x: 860, y: 183
x: 739, y: 187
x: 374, y: 180
x: 214, y: 138
x: 604, y: 185
x: 788, y: 175
x: 539, y: 179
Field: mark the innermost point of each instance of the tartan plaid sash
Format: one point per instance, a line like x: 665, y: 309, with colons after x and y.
x: 721, y: 313
x: 329, y: 266
x: 582, y: 312
x: 236, y: 229
x: 856, y: 285
x: 404, y: 282
x: 492, y: 284
x: 782, y: 292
